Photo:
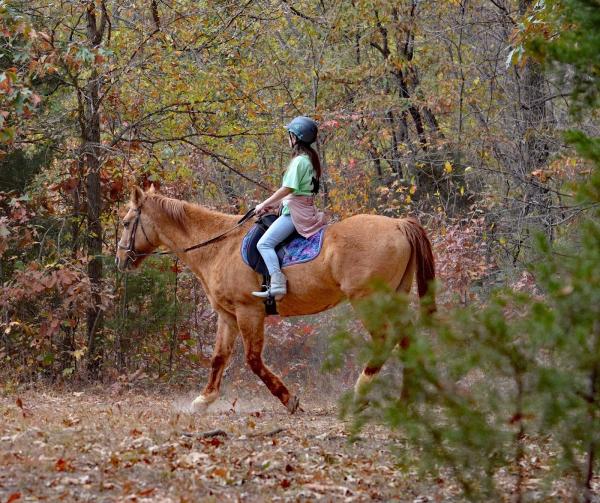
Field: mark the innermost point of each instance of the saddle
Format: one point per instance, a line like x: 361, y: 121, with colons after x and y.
x: 251, y: 254
x: 295, y: 249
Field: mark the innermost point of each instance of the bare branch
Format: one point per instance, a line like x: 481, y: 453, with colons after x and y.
x: 300, y: 14
x: 155, y: 17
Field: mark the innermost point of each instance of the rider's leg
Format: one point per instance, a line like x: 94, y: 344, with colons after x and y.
x: 275, y: 234
x: 279, y: 230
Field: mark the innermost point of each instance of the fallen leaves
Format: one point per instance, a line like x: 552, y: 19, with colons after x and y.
x: 220, y: 472
x: 133, y: 447
x: 62, y: 465
x: 147, y: 492
x: 191, y: 459
x: 13, y: 497
x: 19, y: 404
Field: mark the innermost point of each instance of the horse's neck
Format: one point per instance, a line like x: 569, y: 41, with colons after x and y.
x: 198, y: 224
x: 202, y: 224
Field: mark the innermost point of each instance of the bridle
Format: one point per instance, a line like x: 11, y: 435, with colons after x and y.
x: 130, y: 248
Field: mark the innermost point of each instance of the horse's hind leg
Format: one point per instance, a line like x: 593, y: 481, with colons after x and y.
x: 227, y: 332
x: 374, y: 366
x: 365, y: 377
x: 252, y: 329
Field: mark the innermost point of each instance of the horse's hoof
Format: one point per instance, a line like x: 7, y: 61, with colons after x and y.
x: 293, y: 403
x: 200, y: 404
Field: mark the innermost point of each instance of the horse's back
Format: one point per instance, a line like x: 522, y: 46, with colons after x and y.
x: 363, y: 248
x: 356, y: 251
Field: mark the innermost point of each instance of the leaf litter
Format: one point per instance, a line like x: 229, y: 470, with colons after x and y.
x: 142, y: 445
x: 146, y: 446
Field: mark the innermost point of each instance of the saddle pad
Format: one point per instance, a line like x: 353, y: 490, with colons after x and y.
x: 296, y: 251
x: 302, y: 249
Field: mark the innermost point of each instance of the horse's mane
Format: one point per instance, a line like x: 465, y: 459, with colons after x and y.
x: 174, y: 208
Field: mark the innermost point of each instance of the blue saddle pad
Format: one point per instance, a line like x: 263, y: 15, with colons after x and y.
x: 294, y: 250
x: 302, y: 249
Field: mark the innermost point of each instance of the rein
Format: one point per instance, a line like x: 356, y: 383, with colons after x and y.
x: 130, y: 248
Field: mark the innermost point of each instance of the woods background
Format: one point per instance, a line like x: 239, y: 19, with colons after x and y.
x: 429, y: 109
x: 479, y: 117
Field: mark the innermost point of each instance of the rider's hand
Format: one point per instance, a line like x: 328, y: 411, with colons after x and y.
x: 260, y: 209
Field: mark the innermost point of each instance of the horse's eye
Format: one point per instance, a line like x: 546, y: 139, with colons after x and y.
x: 126, y: 224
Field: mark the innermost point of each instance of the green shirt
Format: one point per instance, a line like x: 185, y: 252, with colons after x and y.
x: 298, y: 177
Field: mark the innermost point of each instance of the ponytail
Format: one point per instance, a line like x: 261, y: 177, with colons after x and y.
x: 303, y: 148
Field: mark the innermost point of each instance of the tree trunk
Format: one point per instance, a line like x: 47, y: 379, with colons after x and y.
x: 395, y: 153
x: 91, y: 148
x: 94, y: 209
x: 534, y: 126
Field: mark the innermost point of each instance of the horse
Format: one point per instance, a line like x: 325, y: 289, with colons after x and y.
x: 356, y: 251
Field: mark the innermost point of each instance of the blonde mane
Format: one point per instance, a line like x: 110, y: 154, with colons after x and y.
x: 174, y: 208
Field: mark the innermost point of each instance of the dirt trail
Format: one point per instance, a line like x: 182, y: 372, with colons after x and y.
x: 142, y: 446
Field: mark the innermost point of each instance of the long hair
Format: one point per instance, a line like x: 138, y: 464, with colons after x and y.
x: 303, y: 148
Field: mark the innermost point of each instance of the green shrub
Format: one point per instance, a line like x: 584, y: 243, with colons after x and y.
x: 487, y: 384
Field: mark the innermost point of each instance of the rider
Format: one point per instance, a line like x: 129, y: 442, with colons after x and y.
x: 300, y: 183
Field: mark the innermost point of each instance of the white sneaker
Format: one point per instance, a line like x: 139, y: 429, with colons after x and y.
x: 277, y: 289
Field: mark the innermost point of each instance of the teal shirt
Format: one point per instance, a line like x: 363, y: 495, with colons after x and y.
x: 298, y: 177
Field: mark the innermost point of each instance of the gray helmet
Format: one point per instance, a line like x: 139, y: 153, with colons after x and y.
x: 304, y: 128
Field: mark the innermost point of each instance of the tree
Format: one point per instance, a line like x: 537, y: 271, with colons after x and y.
x: 18, y: 100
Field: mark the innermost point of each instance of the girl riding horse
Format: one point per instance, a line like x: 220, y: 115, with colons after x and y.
x: 298, y: 213
x: 208, y: 242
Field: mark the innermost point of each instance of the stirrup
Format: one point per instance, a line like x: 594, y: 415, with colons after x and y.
x: 269, y: 300
x: 276, y: 289
x: 265, y: 293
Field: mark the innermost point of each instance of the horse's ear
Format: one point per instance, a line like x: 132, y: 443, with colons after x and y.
x: 137, y: 196
x: 152, y: 189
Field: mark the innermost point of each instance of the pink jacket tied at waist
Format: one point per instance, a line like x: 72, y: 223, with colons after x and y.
x: 305, y: 216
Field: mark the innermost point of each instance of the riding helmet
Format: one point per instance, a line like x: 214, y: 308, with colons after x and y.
x: 304, y: 128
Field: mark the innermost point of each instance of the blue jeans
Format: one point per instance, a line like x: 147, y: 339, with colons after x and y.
x: 279, y: 230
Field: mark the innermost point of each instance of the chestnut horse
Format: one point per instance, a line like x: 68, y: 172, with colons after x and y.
x: 355, y: 251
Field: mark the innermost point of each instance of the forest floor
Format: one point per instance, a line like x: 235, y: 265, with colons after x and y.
x: 117, y: 443
x: 137, y: 445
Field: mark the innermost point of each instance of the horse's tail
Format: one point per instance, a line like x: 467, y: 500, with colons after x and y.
x: 423, y: 259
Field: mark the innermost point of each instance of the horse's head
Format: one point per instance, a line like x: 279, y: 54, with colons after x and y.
x: 139, y: 236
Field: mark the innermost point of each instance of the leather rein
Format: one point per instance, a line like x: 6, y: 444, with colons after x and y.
x: 130, y: 248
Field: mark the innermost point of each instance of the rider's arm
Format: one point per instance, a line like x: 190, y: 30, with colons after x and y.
x: 274, y: 199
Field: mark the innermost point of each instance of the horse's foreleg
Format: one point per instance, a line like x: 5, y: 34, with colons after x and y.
x: 227, y: 332
x: 252, y: 330
x: 371, y: 370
